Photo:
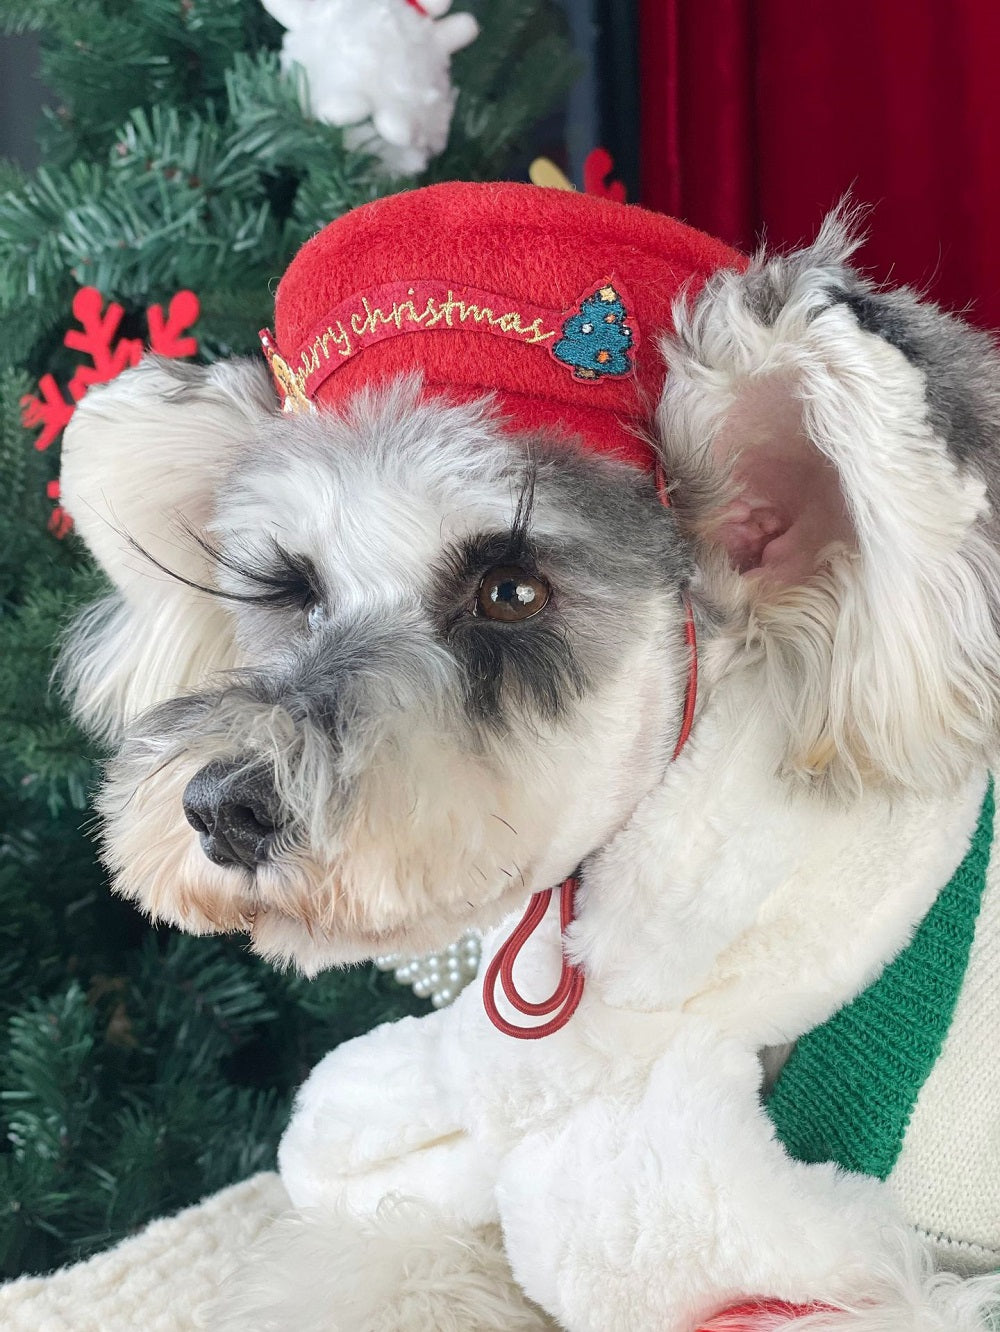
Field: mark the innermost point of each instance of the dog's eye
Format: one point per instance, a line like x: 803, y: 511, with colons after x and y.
x: 511, y: 593
x: 316, y: 615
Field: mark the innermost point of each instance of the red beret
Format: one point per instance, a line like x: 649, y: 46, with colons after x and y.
x: 549, y: 299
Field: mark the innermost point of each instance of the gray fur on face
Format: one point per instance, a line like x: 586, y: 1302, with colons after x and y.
x: 616, y: 545
x: 593, y: 530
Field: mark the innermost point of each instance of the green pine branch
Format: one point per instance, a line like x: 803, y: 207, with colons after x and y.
x: 18, y: 16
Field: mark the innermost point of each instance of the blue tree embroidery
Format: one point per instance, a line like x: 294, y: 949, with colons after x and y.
x: 597, y: 341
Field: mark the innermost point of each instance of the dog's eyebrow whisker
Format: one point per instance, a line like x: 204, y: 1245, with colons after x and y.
x: 502, y: 820
x: 293, y: 581
x: 524, y: 509
x: 287, y: 562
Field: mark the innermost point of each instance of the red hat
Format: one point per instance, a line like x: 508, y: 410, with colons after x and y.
x: 549, y: 299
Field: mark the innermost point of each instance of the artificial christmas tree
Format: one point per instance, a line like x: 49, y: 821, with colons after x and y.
x: 140, y: 1069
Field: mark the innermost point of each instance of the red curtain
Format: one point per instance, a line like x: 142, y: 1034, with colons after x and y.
x: 757, y: 115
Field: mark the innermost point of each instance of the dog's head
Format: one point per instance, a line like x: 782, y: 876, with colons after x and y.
x: 405, y: 669
x: 373, y: 675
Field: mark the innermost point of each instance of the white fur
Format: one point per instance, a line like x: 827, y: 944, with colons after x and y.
x: 141, y: 460
x: 419, y: 1273
x: 883, y: 665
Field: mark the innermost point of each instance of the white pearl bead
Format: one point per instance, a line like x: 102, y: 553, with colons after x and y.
x: 439, y: 976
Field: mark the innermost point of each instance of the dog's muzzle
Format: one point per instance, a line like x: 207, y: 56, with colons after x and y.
x: 235, y: 812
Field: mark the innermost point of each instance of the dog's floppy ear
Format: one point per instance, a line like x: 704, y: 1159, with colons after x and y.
x: 142, y: 460
x: 837, y: 455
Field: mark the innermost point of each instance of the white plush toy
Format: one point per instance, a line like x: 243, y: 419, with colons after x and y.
x: 380, y: 61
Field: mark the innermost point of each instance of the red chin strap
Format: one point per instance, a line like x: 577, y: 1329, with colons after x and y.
x: 564, y: 1000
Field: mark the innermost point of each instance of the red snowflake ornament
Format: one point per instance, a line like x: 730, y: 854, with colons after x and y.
x: 109, y: 354
x: 98, y: 342
x: 49, y: 411
x: 165, y: 334
x: 59, y: 520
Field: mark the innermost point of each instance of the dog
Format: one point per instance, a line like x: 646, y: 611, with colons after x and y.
x: 377, y: 673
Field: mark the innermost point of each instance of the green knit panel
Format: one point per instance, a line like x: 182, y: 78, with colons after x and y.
x: 849, y: 1087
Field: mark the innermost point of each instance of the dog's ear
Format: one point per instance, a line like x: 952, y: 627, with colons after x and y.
x: 836, y: 450
x: 142, y: 460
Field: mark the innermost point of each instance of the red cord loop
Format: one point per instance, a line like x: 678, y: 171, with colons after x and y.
x: 565, y: 998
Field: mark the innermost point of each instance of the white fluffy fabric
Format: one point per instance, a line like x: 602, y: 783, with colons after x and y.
x: 419, y: 1274
x: 158, y: 1281
x: 947, y: 1177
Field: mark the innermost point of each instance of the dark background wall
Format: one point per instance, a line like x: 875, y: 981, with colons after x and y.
x: 21, y: 98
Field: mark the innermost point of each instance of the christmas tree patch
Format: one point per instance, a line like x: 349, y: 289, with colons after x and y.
x: 597, y: 340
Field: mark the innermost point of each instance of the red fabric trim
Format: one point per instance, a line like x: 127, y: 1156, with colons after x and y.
x: 396, y: 308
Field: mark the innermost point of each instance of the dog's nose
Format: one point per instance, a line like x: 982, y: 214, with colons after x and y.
x: 235, y: 811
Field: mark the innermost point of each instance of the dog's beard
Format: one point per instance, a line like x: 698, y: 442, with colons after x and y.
x: 417, y: 827
x: 426, y: 842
